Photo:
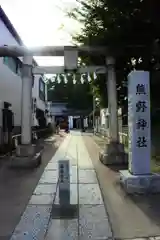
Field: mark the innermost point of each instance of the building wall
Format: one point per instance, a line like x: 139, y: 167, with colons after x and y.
x: 10, y: 90
x: 57, y: 109
x: 6, y: 37
x: 10, y: 82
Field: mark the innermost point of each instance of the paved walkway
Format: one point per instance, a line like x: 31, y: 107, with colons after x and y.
x: 90, y: 222
x: 131, y: 216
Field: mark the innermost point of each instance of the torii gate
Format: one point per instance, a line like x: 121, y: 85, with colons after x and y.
x: 70, y: 54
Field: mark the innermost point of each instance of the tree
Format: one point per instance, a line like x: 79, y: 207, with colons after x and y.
x: 129, y: 27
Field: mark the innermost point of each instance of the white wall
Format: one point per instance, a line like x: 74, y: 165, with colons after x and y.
x: 5, y: 36
x: 10, y: 90
x: 10, y: 83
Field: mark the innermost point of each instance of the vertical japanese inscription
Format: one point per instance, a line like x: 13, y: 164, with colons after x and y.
x: 141, y: 107
x: 139, y: 122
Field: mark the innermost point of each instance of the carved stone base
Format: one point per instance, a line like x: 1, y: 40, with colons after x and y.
x: 140, y: 184
x: 26, y: 162
x: 25, y: 150
x: 113, y: 154
x: 26, y: 156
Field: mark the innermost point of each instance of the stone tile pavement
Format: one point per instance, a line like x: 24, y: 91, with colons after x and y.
x: 91, y: 221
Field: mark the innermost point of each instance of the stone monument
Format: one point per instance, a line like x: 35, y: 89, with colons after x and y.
x: 138, y: 178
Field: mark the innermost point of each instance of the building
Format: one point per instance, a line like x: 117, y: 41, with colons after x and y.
x: 61, y: 113
x: 11, y: 81
x: 39, y: 98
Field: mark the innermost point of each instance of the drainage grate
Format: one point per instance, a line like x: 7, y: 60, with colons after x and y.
x: 64, y: 212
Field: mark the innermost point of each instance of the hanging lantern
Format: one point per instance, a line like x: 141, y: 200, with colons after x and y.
x: 82, y: 79
x: 74, y: 79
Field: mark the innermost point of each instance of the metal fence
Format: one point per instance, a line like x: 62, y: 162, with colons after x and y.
x: 36, y: 134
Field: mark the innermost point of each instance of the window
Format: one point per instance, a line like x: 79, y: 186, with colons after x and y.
x: 14, y: 64
x: 41, y: 86
x: 19, y: 67
x: 41, y: 89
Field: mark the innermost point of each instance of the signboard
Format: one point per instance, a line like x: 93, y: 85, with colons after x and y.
x: 139, y: 132
x: 64, y: 182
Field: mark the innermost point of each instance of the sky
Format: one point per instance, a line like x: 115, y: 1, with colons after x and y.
x: 42, y: 23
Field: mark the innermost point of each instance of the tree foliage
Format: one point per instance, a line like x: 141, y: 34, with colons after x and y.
x: 130, y: 28
x: 77, y: 96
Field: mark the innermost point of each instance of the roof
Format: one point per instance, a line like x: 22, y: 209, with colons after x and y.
x: 11, y: 29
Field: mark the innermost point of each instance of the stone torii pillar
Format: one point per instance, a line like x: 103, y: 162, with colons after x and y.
x: 114, y: 151
x: 26, y: 153
x: 26, y: 109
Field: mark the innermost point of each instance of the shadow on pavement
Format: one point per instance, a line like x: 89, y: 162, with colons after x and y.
x: 150, y: 205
